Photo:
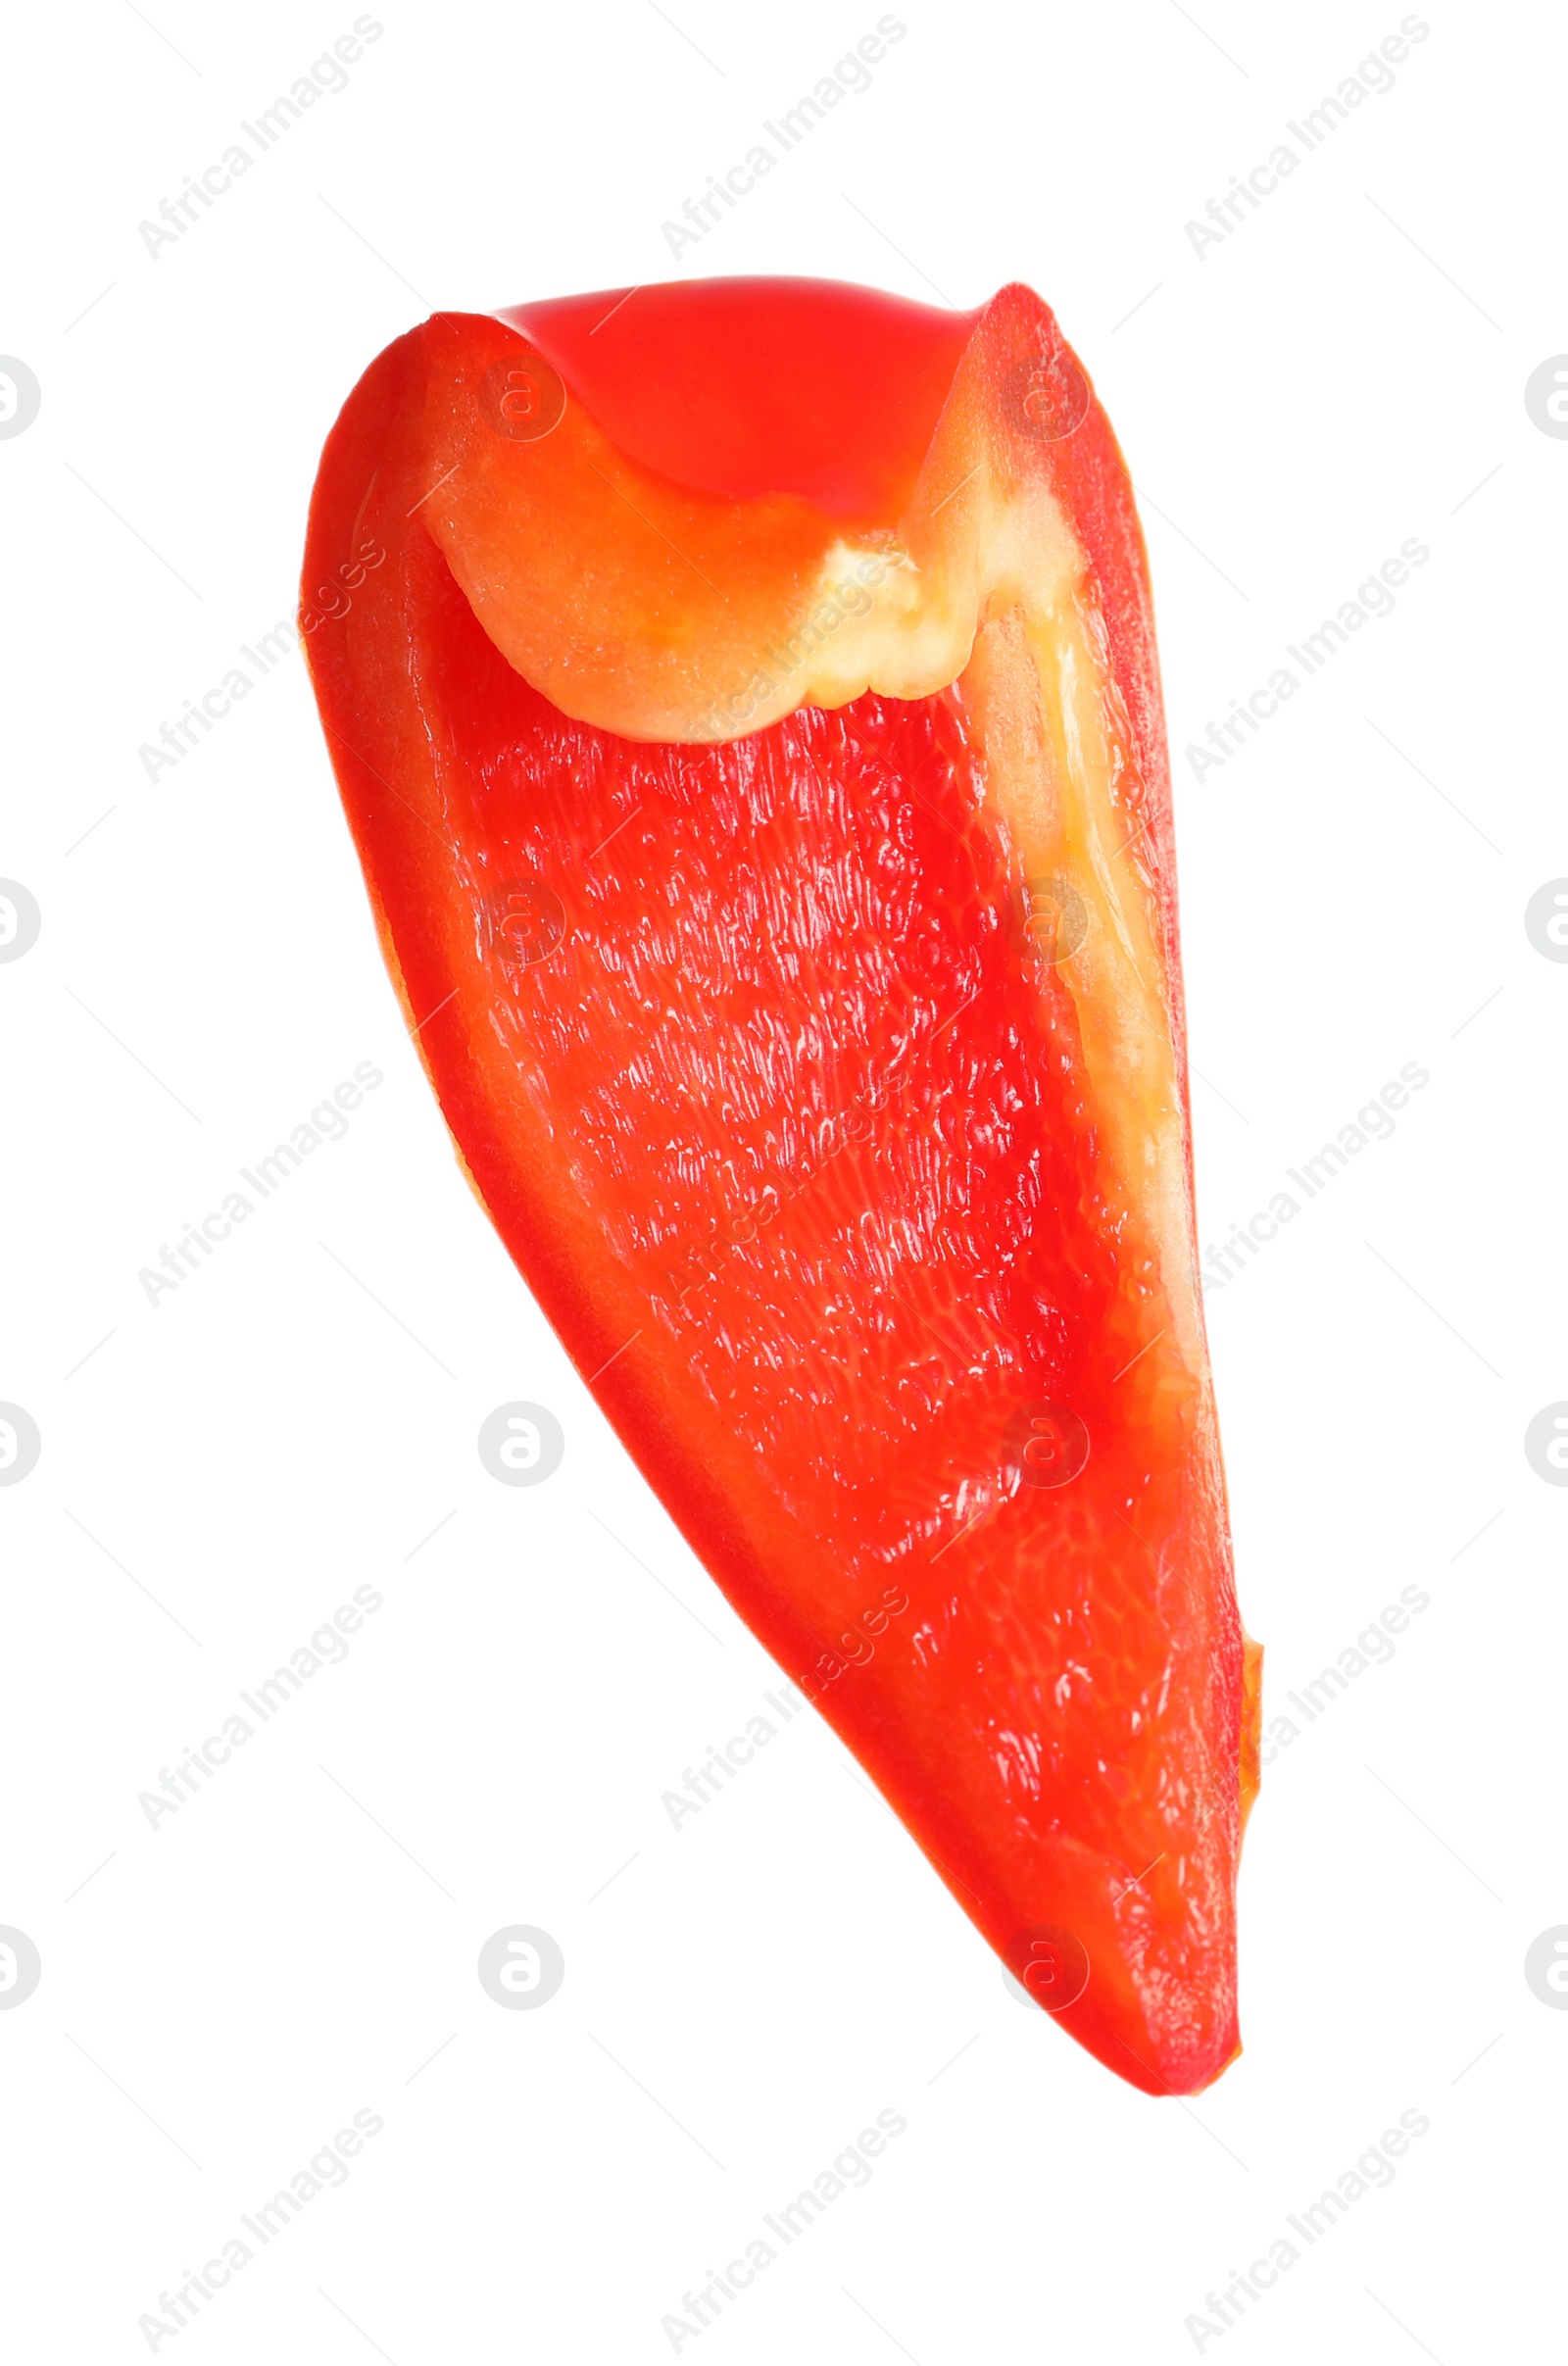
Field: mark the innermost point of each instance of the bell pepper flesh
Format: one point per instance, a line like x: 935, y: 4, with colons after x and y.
x: 745, y: 704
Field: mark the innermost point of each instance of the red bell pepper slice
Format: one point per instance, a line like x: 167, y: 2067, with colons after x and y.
x: 745, y: 702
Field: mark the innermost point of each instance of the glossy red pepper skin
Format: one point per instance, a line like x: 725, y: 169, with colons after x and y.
x: 866, y: 1218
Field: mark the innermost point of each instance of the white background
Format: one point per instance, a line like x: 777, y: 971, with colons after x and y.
x: 1344, y: 372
